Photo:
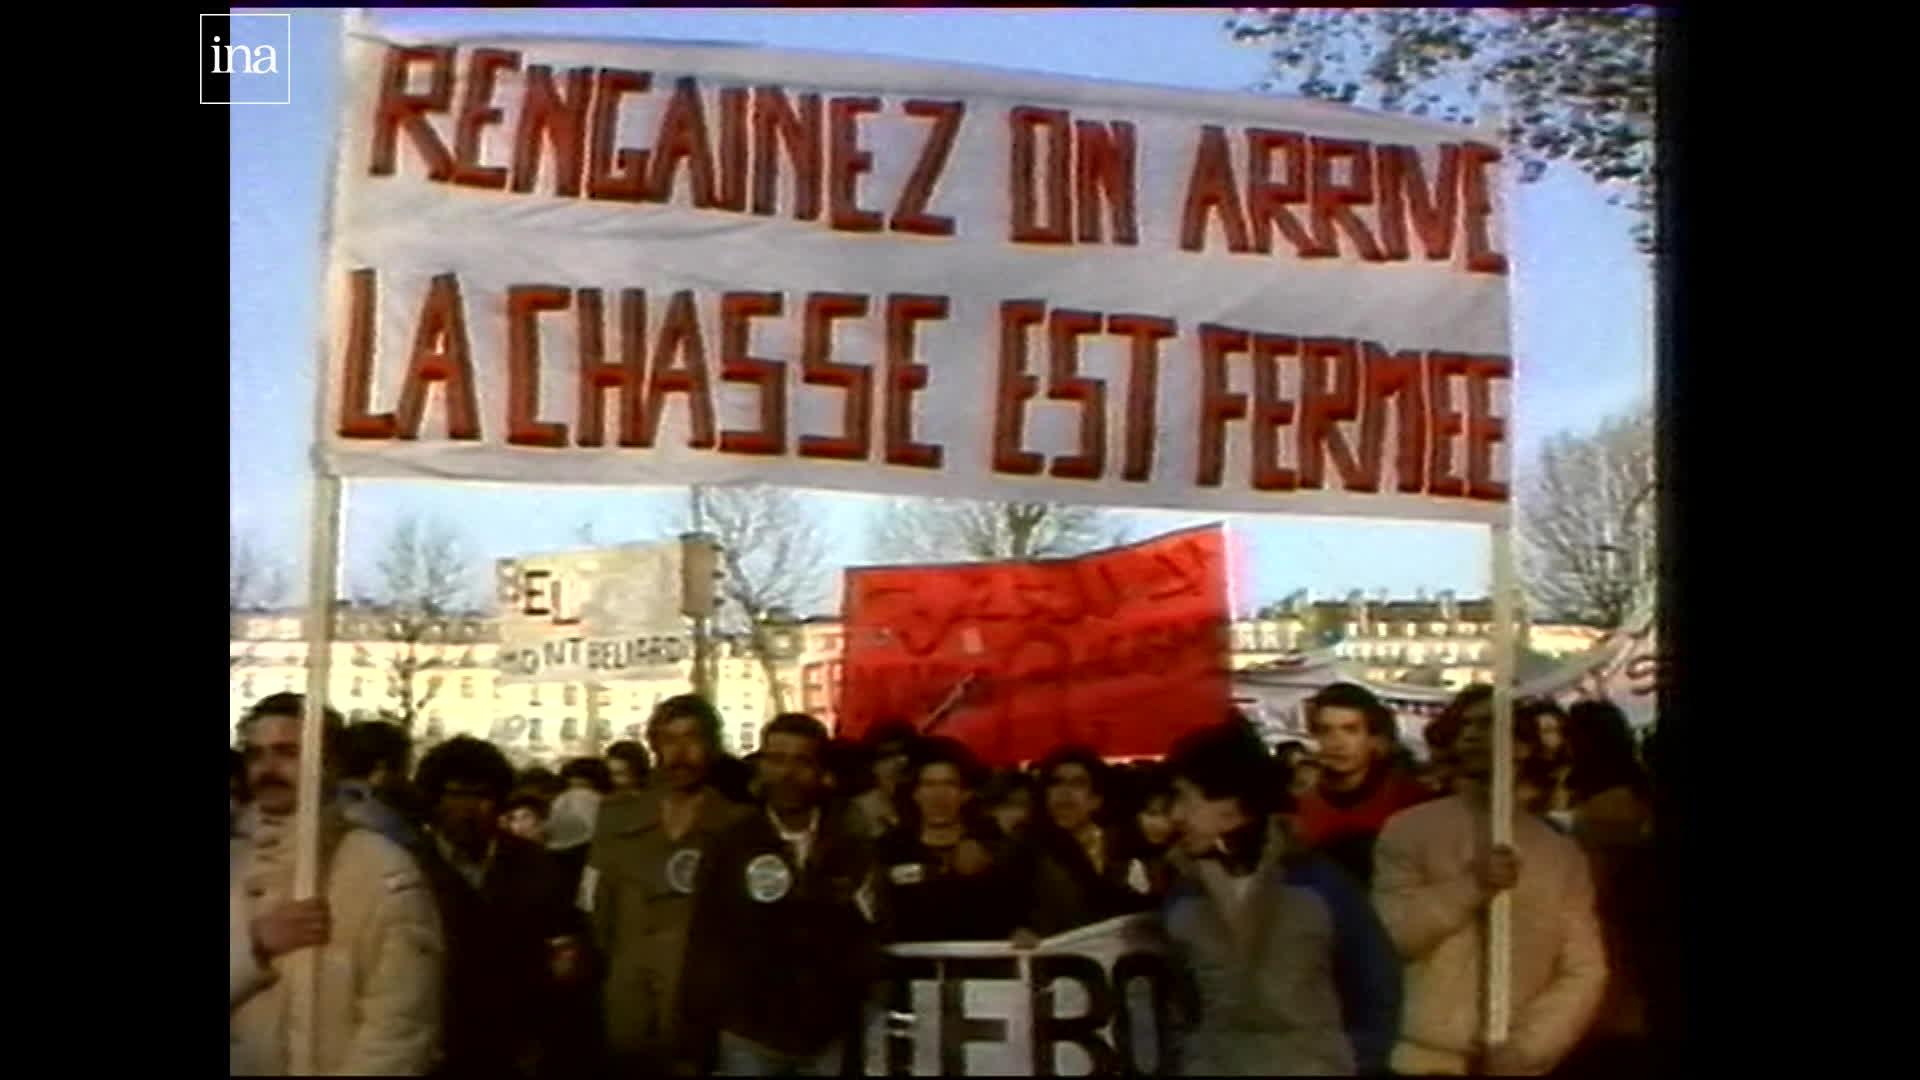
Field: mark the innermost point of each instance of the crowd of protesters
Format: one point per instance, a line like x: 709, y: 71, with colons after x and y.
x: 669, y: 909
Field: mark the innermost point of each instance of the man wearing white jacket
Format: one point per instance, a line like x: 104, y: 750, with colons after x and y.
x: 1433, y: 879
x: 377, y: 1011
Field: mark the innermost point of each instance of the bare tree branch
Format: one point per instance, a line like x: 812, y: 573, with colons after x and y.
x: 775, y: 558
x: 424, y: 578
x: 959, y: 530
x: 1588, y: 522
x: 255, y: 581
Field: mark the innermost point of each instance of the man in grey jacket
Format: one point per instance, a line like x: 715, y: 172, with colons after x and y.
x: 1256, y: 951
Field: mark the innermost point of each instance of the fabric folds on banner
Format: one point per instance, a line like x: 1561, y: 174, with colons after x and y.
x: 567, y: 261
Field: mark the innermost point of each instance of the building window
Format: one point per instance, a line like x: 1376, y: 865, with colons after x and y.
x: 570, y: 696
x: 533, y: 731
x: 466, y: 686
x: 570, y: 729
x: 533, y: 693
x: 358, y: 688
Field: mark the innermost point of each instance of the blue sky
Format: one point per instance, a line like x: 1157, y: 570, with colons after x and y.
x: 1579, y: 294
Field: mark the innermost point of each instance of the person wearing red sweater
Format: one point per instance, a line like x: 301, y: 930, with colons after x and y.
x: 1360, y: 785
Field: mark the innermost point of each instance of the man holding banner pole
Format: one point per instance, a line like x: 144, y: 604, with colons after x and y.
x: 1436, y: 878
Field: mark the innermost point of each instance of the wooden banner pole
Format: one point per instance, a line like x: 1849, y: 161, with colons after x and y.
x: 1499, y: 936
x: 323, y: 575
x: 1499, y: 922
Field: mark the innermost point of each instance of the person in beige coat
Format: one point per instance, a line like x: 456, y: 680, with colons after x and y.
x: 377, y: 1009
x: 1433, y: 881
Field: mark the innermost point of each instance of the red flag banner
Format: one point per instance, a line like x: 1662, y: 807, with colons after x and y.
x: 1122, y: 650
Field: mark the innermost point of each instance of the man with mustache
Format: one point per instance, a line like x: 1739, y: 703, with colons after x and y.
x: 377, y: 1005
x: 638, y: 888
x: 782, y: 949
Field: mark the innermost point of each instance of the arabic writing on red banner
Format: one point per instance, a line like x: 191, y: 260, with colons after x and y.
x: 1122, y: 650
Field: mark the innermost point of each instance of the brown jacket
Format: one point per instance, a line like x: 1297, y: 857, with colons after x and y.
x: 639, y: 891
x: 1425, y: 893
x: 378, y: 1007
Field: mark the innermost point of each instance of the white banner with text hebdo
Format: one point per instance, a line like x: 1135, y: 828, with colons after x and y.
x: 561, y: 261
x: 1091, y: 1002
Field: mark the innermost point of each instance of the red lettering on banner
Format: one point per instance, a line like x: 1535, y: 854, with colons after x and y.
x: 799, y: 132
x: 1400, y: 377
x: 524, y: 305
x: 1016, y: 387
x: 904, y: 378
x: 1444, y: 422
x: 400, y: 109
x: 1321, y: 410
x: 1483, y: 428
x: 441, y: 354
x: 1104, y: 167
x: 357, y: 421
x: 1271, y: 412
x: 1268, y: 199
x: 478, y: 113
x: 680, y: 340
x: 683, y: 138
x: 629, y: 376
x: 1121, y: 649
x: 618, y: 176
x: 846, y: 163
x: 1143, y: 389
x: 562, y: 119
x: 738, y: 367
x: 911, y: 216
x: 1405, y: 196
x: 731, y: 191
x: 1217, y: 404
x: 855, y: 441
x: 1027, y: 226
x: 1478, y: 199
x: 1333, y: 203
x: 1065, y: 383
x: 1210, y: 189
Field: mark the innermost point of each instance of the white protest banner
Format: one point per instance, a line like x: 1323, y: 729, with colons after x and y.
x: 589, y: 261
x: 582, y: 616
x: 1092, y: 1001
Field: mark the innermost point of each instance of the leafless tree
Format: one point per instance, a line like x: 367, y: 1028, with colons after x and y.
x: 774, y: 558
x: 960, y: 530
x: 1589, y: 525
x: 424, y: 579
x: 254, y: 580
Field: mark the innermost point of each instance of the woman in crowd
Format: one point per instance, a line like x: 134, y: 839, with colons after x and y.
x: 628, y: 766
x: 1007, y: 802
x: 1540, y: 727
x: 1613, y: 822
x: 1085, y: 869
x: 1153, y: 827
x: 937, y: 879
x: 526, y: 816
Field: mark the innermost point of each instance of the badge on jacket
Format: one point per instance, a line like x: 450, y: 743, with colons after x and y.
x: 768, y: 878
x: 908, y: 874
x: 682, y: 867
